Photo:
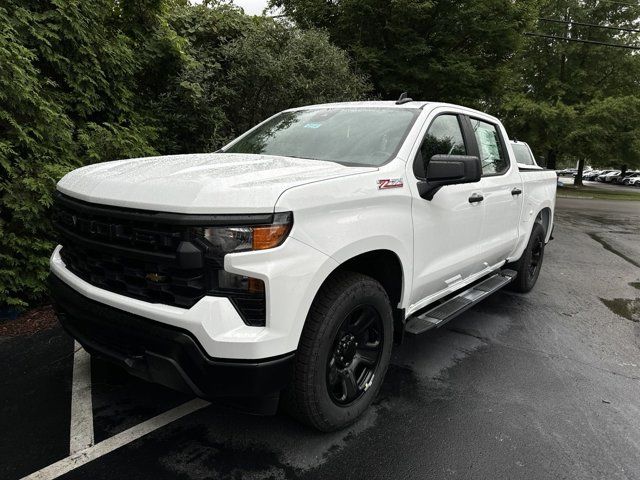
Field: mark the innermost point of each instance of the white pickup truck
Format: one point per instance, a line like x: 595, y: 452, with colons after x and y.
x: 287, y: 264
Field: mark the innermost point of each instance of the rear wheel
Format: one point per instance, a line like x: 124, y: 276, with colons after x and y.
x: 529, y: 265
x: 343, y: 354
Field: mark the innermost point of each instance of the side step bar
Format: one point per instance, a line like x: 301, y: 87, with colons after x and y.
x: 441, y: 314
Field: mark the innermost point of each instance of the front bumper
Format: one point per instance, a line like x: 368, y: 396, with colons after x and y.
x: 292, y: 273
x: 162, y: 353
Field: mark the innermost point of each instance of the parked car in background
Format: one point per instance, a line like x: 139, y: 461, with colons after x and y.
x: 614, y: 178
x: 584, y: 172
x: 524, y: 156
x: 591, y: 175
x: 634, y: 182
x: 608, y: 177
x: 627, y: 178
x: 567, y: 172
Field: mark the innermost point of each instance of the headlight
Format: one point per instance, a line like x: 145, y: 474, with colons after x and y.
x: 222, y: 240
x: 228, y: 239
x: 247, y: 294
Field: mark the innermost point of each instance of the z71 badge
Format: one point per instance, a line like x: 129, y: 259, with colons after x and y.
x: 390, y: 183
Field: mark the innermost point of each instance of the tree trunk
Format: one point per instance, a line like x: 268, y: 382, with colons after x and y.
x: 578, y: 180
x: 551, y: 159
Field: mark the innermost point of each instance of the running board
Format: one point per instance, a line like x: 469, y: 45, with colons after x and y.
x: 441, y: 314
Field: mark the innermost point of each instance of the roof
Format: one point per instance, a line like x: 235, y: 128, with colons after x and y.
x: 416, y: 104
x: 366, y: 104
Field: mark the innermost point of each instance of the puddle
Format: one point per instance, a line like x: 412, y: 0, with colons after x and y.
x: 624, y: 307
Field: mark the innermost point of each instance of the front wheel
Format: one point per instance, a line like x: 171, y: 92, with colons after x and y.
x: 529, y: 265
x: 343, y: 354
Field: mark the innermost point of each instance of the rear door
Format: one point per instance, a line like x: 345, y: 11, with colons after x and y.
x: 446, y: 228
x: 502, y: 190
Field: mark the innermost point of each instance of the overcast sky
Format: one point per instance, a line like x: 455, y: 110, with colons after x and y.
x: 250, y: 7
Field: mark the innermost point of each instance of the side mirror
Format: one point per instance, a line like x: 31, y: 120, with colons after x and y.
x: 542, y: 162
x: 449, y: 170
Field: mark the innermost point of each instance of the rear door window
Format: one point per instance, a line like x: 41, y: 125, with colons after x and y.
x: 492, y: 154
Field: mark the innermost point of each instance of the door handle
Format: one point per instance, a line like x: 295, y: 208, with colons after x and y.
x: 516, y: 191
x: 475, y: 198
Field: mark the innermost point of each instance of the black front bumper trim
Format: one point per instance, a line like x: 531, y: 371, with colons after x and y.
x: 162, y: 353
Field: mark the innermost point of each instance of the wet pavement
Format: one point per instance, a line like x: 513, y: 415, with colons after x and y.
x: 543, y: 385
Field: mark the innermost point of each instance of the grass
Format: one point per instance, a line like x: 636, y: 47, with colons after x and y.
x: 623, y: 193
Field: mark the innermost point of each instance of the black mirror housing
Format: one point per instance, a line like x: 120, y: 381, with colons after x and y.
x: 449, y: 170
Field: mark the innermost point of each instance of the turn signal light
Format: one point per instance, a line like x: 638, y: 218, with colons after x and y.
x: 269, y: 236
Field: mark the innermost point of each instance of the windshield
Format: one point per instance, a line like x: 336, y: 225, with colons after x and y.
x: 351, y: 136
x: 522, y: 154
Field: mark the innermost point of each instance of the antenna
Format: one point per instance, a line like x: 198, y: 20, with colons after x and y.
x: 403, y: 99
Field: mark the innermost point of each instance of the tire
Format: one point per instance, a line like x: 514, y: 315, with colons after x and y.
x: 530, y: 263
x: 323, y: 394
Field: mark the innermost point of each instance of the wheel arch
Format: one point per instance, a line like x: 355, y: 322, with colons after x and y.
x: 386, y: 267
x: 545, y: 218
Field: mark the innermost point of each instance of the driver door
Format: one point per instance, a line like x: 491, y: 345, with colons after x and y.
x: 447, y: 228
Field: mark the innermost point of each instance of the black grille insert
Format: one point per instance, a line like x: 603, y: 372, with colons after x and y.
x: 150, y: 256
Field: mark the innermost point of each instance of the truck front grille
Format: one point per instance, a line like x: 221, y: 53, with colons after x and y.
x: 155, y: 282
x: 150, y: 256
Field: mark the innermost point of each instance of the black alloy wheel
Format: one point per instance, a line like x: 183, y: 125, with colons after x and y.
x: 343, y: 353
x: 357, y: 347
x: 535, y: 260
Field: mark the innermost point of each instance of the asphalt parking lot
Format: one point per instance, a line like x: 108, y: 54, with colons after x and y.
x: 543, y: 385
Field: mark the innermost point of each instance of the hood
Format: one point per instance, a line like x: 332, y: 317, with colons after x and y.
x: 198, y: 183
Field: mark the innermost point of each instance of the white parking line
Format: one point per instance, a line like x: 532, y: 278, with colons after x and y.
x: 81, y: 432
x: 109, y: 445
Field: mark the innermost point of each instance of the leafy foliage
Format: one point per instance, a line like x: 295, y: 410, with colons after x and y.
x: 440, y: 50
x: 475, y: 53
x: 570, y: 94
x: 241, y: 70
x: 84, y: 82
x: 609, y: 129
x: 65, y: 74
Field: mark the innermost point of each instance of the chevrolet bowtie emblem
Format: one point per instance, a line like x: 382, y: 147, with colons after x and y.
x: 155, y: 277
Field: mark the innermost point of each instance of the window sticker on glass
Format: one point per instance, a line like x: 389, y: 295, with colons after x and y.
x: 312, y: 125
x: 494, y: 162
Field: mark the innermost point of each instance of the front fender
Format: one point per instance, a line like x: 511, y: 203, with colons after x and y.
x: 348, y: 216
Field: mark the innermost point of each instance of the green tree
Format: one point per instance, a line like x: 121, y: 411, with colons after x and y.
x: 570, y: 91
x: 241, y: 70
x: 440, y: 50
x: 63, y: 88
x: 608, y: 131
x: 84, y: 82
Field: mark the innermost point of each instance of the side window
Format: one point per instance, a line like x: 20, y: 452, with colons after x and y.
x: 444, y: 137
x: 523, y: 154
x: 493, y: 158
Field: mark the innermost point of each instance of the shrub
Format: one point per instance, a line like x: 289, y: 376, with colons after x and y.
x: 84, y: 82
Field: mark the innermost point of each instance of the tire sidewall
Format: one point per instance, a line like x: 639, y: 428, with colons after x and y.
x: 361, y: 293
x: 537, y: 234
